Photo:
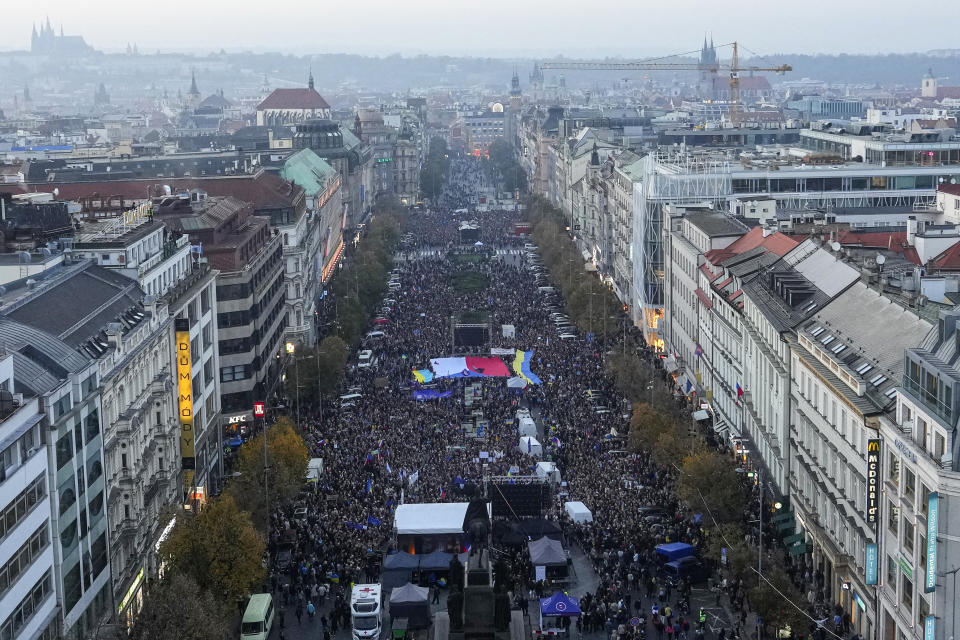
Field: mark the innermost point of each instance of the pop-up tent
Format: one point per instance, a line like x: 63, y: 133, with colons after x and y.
x: 411, y: 602
x: 436, y: 561
x: 527, y: 427
x: 530, y: 446
x: 398, y: 569
x: 559, y: 605
x: 578, y: 512
x: 549, y: 471
x: 431, y: 519
x: 547, y: 551
x: 673, y: 551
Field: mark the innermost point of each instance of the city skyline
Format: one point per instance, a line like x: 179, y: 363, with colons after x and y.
x: 500, y: 29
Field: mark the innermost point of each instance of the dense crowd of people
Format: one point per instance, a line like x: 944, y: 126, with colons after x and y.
x: 384, y: 447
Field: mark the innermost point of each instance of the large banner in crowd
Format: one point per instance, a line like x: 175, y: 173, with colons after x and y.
x: 469, y: 368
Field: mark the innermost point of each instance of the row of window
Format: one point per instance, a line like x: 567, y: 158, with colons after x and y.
x: 18, y: 508
x: 24, y: 557
x: 12, y: 626
x: 232, y: 374
x: 69, y: 443
x: 17, y: 453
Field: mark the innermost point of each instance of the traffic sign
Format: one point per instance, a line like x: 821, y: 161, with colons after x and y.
x: 259, y: 410
x: 635, y: 621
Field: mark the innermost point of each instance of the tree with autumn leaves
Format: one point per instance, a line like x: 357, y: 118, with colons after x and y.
x: 218, y: 549
x: 286, y: 460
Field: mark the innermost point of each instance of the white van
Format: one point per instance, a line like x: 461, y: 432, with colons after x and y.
x: 258, y: 618
x: 365, y: 359
x: 373, y: 335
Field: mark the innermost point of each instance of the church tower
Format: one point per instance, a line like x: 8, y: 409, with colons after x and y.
x: 707, y: 66
x: 928, y: 86
x: 193, y: 95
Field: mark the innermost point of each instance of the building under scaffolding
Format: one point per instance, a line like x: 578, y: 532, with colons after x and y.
x: 669, y: 177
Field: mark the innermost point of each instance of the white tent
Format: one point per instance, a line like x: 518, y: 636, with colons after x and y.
x: 578, y: 512
x: 527, y: 427
x: 548, y: 470
x: 530, y: 446
x: 516, y: 382
x: 508, y: 331
x: 428, y: 519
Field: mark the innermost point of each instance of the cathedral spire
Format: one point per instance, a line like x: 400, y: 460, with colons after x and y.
x: 193, y: 83
x: 310, y: 79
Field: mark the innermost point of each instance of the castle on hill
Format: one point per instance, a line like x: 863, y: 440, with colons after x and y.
x: 46, y: 41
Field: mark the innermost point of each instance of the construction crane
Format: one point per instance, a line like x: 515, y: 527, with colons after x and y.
x: 733, y: 68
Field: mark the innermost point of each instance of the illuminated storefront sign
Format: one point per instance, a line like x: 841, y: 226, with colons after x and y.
x: 871, y: 563
x: 132, y: 591
x: 933, y: 514
x: 185, y: 396
x: 873, y: 480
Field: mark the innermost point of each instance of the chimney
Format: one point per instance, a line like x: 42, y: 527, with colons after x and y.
x: 768, y: 231
x: 115, y: 335
x: 912, y: 230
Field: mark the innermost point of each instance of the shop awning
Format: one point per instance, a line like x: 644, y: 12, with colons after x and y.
x: 794, y: 539
x: 787, y: 524
x: 700, y: 414
x: 799, y: 549
x: 780, y: 517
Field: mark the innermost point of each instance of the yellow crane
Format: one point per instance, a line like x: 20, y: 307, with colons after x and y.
x: 734, y: 68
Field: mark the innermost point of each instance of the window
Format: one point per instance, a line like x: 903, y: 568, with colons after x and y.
x: 230, y: 374
x: 893, y: 469
x: 61, y: 406
x: 893, y: 517
x: 92, y: 424
x: 891, y: 571
x: 906, y: 592
x: 20, y: 561
x: 68, y: 497
x: 909, y: 484
x: 64, y: 450
x: 908, y: 535
x: 32, y: 601
x: 924, y: 498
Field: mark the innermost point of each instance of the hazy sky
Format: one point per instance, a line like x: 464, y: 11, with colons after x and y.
x: 496, y: 28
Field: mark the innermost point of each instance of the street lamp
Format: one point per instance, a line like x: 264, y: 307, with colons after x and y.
x: 291, y: 351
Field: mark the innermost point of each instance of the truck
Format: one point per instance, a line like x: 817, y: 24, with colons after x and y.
x: 366, y: 611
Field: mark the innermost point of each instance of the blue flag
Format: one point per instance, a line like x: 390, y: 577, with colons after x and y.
x: 369, y: 484
x: 373, y: 522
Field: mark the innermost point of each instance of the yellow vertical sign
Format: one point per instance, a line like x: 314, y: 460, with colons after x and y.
x: 185, y: 400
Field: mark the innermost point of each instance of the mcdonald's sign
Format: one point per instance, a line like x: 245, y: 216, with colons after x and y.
x: 185, y: 399
x: 873, y: 481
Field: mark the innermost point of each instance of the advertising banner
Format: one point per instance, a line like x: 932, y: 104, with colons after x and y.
x: 873, y: 481
x: 933, y: 514
x: 870, y: 566
x: 185, y: 400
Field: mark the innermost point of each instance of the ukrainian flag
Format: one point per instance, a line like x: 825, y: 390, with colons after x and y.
x: 422, y: 375
x: 521, y: 367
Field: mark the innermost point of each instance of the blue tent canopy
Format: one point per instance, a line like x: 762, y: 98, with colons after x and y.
x: 559, y: 604
x: 436, y: 561
x: 674, y: 550
x: 401, y: 560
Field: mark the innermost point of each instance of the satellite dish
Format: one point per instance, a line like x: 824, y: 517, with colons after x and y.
x: 56, y: 192
x: 881, y: 258
x: 835, y: 245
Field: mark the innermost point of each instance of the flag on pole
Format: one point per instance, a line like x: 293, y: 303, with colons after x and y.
x: 373, y: 522
x: 443, y: 494
x: 389, y: 470
x: 698, y: 351
x: 739, y: 391
x: 556, y: 441
x: 369, y: 484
